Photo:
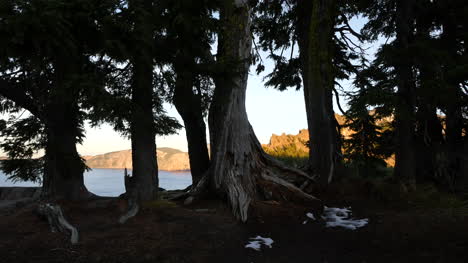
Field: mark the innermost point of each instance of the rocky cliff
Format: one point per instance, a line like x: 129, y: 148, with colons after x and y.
x: 299, y: 140
x: 278, y: 141
x: 169, y: 159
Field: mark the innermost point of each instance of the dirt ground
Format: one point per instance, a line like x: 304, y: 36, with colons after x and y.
x: 206, y: 232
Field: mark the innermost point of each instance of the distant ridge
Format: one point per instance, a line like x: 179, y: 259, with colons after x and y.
x: 169, y: 159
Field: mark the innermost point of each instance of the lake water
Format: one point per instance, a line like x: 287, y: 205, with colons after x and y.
x: 110, y: 182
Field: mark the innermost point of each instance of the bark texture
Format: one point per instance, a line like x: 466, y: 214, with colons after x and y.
x: 240, y: 171
x: 404, y: 113
x: 315, y: 30
x: 188, y: 104
x: 145, y: 169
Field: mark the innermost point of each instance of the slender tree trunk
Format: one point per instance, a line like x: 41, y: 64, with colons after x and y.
x: 63, y: 172
x: 316, y: 23
x: 240, y: 171
x: 429, y: 136
x: 188, y: 104
x: 404, y: 113
x: 428, y: 143
x: 453, y: 107
x: 145, y: 168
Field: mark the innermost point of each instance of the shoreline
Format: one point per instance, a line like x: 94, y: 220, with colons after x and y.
x: 129, y: 169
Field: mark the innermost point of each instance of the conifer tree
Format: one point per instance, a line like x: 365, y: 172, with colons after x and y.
x: 47, y: 70
x: 327, y: 47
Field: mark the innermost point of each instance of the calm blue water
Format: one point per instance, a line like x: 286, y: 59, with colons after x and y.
x: 110, y: 182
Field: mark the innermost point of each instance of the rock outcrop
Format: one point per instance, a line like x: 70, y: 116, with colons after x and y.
x: 169, y: 159
x: 300, y: 141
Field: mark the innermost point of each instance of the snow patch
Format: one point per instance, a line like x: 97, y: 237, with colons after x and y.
x: 258, y: 241
x: 311, y: 216
x: 340, y: 217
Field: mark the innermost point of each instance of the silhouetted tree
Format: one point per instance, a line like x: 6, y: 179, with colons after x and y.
x: 327, y: 46
x: 47, y: 69
x: 132, y: 101
x: 190, y: 34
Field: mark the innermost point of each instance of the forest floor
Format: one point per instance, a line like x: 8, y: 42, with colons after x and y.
x: 206, y: 232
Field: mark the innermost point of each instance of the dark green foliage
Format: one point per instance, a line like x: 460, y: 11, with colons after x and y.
x: 277, y: 29
x: 367, y: 148
x: 370, y: 116
x: 113, y: 105
x: 47, y: 70
x: 437, y: 57
x: 22, y: 138
x: 30, y: 170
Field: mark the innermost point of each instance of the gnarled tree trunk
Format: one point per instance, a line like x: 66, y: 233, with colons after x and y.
x: 315, y: 28
x: 240, y: 171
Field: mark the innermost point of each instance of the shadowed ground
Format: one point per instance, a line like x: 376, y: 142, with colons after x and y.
x: 169, y: 232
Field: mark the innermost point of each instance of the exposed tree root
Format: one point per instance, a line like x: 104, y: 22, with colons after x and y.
x: 132, y: 211
x: 57, y: 221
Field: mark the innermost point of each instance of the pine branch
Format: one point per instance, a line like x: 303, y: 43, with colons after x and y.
x: 18, y: 95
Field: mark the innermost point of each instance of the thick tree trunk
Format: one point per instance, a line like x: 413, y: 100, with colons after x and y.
x: 404, y: 113
x: 64, y: 168
x: 316, y: 23
x: 145, y: 170
x: 188, y: 104
x: 240, y: 171
x: 63, y: 172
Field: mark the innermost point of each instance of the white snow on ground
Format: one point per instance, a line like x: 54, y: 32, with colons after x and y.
x: 258, y: 241
x: 340, y: 217
x: 311, y: 216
